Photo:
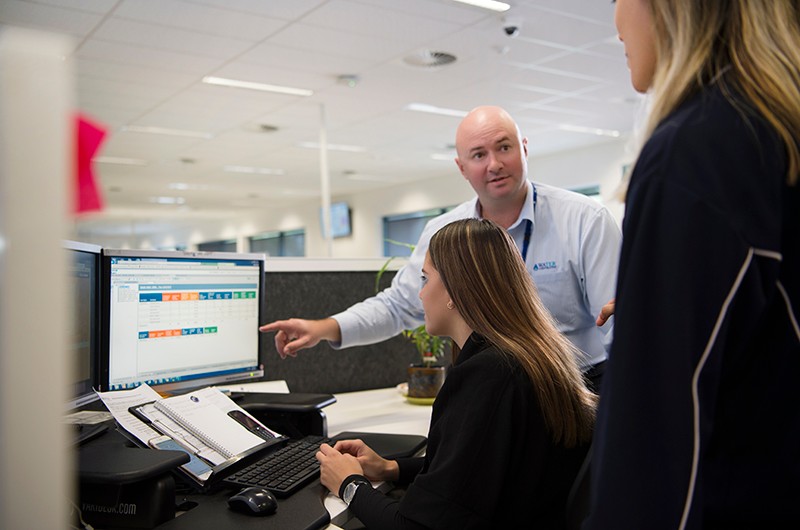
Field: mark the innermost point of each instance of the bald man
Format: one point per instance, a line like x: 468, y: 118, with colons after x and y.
x: 570, y: 245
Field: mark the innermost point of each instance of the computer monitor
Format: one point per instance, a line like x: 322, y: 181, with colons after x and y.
x: 341, y: 222
x: 83, y: 267
x: 178, y: 320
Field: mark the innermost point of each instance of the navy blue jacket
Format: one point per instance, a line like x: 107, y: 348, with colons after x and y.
x: 699, y: 420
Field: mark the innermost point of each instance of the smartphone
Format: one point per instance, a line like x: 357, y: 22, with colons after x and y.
x: 196, y: 467
x: 252, y: 425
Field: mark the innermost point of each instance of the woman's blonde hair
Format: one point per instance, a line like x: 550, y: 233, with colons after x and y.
x: 486, y: 278
x: 750, y: 46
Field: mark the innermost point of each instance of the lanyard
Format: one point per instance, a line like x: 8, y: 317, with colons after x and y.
x: 528, y: 229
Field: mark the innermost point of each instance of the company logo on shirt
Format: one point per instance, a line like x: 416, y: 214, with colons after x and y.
x: 544, y: 265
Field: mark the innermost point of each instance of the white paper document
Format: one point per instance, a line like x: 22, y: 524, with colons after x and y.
x: 119, y: 401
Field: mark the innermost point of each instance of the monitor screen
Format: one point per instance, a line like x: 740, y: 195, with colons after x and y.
x: 340, y: 220
x: 83, y: 267
x: 179, y: 319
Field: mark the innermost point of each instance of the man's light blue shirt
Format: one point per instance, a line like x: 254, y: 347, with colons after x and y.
x: 572, y: 257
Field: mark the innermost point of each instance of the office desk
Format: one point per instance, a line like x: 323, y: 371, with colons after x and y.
x: 374, y: 411
x: 382, y: 410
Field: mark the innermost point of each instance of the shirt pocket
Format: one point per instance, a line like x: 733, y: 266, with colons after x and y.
x: 560, y: 292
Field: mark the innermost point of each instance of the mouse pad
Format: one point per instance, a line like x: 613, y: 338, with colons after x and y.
x: 389, y: 446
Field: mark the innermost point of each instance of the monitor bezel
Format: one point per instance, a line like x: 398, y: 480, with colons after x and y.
x: 79, y: 397
x: 191, y: 384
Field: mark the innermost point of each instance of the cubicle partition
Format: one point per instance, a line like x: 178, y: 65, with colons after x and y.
x: 317, y: 288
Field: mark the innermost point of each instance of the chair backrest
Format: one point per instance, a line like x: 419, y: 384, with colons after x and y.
x: 579, y: 493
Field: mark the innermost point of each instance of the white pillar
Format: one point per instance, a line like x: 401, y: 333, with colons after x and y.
x: 36, y: 101
x: 325, y: 182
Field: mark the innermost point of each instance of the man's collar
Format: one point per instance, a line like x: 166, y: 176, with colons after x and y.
x: 525, y: 213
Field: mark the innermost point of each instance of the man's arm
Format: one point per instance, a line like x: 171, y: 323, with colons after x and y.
x: 298, y: 334
x: 392, y: 310
x: 375, y: 319
x: 600, y: 251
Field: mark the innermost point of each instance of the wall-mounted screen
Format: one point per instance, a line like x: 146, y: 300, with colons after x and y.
x: 340, y: 220
x: 180, y: 319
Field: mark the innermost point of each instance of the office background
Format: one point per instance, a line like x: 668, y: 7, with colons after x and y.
x: 134, y: 64
x: 187, y: 162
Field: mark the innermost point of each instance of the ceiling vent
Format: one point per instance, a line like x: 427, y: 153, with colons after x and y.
x: 429, y: 59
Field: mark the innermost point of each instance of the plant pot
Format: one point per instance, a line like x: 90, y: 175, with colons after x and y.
x: 425, y: 381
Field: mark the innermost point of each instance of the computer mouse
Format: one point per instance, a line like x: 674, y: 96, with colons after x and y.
x: 254, y: 501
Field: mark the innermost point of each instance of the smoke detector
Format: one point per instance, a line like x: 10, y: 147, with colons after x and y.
x: 429, y: 59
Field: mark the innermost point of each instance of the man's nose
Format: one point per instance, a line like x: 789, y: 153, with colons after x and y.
x: 495, y: 164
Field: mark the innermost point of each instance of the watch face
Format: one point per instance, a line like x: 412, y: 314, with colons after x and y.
x: 349, y: 492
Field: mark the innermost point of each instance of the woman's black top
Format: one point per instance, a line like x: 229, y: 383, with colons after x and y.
x: 490, y: 462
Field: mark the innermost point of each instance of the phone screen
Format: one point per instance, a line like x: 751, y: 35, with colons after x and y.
x: 251, y: 425
x: 195, y: 466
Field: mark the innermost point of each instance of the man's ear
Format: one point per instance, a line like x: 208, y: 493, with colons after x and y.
x: 525, y: 147
x: 460, y: 166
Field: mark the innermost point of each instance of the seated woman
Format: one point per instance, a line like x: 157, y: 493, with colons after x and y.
x: 513, y: 421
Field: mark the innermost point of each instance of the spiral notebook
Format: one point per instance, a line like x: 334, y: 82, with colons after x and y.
x: 200, y: 421
x: 200, y: 413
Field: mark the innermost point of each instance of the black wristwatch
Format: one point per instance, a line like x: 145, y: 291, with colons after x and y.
x: 349, y: 487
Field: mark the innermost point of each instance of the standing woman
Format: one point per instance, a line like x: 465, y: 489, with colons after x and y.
x: 512, y: 423
x: 699, y: 425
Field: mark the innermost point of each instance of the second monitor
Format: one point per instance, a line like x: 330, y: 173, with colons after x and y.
x: 178, y: 320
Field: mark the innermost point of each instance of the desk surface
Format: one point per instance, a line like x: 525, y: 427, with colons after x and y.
x: 376, y: 411
x: 382, y: 410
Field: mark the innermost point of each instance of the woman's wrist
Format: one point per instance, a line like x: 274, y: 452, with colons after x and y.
x: 391, y: 471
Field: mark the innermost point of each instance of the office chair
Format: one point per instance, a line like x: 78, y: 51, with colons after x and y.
x: 579, y: 495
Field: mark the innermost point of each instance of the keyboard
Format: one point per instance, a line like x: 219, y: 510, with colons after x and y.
x: 286, y: 470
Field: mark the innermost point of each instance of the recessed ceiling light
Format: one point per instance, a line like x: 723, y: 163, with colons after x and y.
x: 253, y: 170
x: 487, y: 4
x: 184, y: 186
x: 589, y: 130
x: 119, y: 160
x: 250, y: 85
x: 432, y: 109
x: 334, y: 147
x: 168, y: 200
x: 166, y: 131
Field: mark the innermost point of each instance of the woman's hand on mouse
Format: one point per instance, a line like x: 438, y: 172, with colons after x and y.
x: 335, y: 467
x: 375, y: 467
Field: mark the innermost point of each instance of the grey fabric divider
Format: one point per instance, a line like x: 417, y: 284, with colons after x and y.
x: 322, y: 369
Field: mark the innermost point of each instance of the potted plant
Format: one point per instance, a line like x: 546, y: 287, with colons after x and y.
x: 426, y: 377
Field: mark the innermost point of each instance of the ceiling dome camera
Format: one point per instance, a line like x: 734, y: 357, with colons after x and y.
x: 511, y: 26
